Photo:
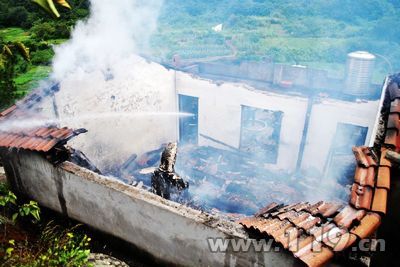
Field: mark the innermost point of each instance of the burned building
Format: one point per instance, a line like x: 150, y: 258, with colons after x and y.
x: 239, y: 147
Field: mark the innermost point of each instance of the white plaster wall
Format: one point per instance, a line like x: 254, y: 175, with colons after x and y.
x: 169, y: 231
x: 323, y: 122
x: 220, y: 114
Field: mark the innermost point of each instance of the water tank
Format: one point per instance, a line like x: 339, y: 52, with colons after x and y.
x: 360, y: 65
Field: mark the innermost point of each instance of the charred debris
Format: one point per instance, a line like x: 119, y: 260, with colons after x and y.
x: 165, y: 182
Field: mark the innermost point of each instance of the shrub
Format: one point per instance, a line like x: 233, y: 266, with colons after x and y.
x: 53, y: 247
x: 42, y: 57
x: 43, y: 31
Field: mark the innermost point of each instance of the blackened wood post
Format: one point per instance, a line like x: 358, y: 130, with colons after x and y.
x: 165, y: 180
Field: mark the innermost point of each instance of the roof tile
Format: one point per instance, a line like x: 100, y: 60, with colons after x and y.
x: 342, y: 242
x: 319, y: 231
x: 379, y: 202
x: 288, y: 236
x: 8, y: 111
x: 329, y: 209
x: 39, y: 139
x: 313, y: 209
x: 367, y: 226
x: 365, y: 176
x: 361, y: 196
x: 360, y: 156
x: 384, y: 161
x: 309, y: 222
x: 299, y: 217
x: 348, y: 216
x: 298, y: 243
x: 383, y: 178
x: 331, y: 237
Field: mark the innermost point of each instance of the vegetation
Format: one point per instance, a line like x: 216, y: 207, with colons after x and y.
x: 25, y: 22
x: 309, y: 32
x: 47, y: 245
x: 317, y: 33
x: 8, y: 61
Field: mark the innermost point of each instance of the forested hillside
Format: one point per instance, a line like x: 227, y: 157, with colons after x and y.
x: 317, y: 33
x: 313, y: 32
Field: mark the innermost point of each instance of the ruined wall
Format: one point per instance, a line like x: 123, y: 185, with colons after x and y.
x: 325, y: 116
x: 220, y: 118
x: 220, y: 114
x: 119, y: 110
x: 169, y: 231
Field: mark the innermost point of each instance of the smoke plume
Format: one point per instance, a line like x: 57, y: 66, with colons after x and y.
x: 114, y: 30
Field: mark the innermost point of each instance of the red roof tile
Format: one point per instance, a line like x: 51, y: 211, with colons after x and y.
x: 361, y: 196
x: 383, y: 178
x: 380, y: 200
x: 348, y: 216
x: 327, y: 209
x: 37, y: 140
x: 367, y: 226
x: 384, y: 161
x: 365, y: 176
x: 344, y: 241
x: 8, y: 111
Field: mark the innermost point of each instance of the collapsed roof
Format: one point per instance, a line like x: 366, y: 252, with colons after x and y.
x: 315, y: 233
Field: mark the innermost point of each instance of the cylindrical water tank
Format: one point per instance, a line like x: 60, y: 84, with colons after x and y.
x: 360, y: 65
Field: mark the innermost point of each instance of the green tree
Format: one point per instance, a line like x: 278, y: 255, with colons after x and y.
x: 8, y: 59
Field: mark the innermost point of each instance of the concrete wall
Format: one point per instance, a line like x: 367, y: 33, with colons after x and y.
x: 261, y: 71
x: 325, y: 117
x: 169, y: 231
x: 220, y: 114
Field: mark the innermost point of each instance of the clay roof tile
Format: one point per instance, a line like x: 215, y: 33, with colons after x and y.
x: 367, y: 226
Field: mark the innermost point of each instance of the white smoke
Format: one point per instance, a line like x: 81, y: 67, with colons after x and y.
x: 114, y: 30
x: 101, y: 77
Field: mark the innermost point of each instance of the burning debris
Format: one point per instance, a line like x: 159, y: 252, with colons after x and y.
x: 165, y: 181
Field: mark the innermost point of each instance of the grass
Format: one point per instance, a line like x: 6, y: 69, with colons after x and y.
x: 35, y: 73
x: 14, y: 35
x: 31, y: 78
